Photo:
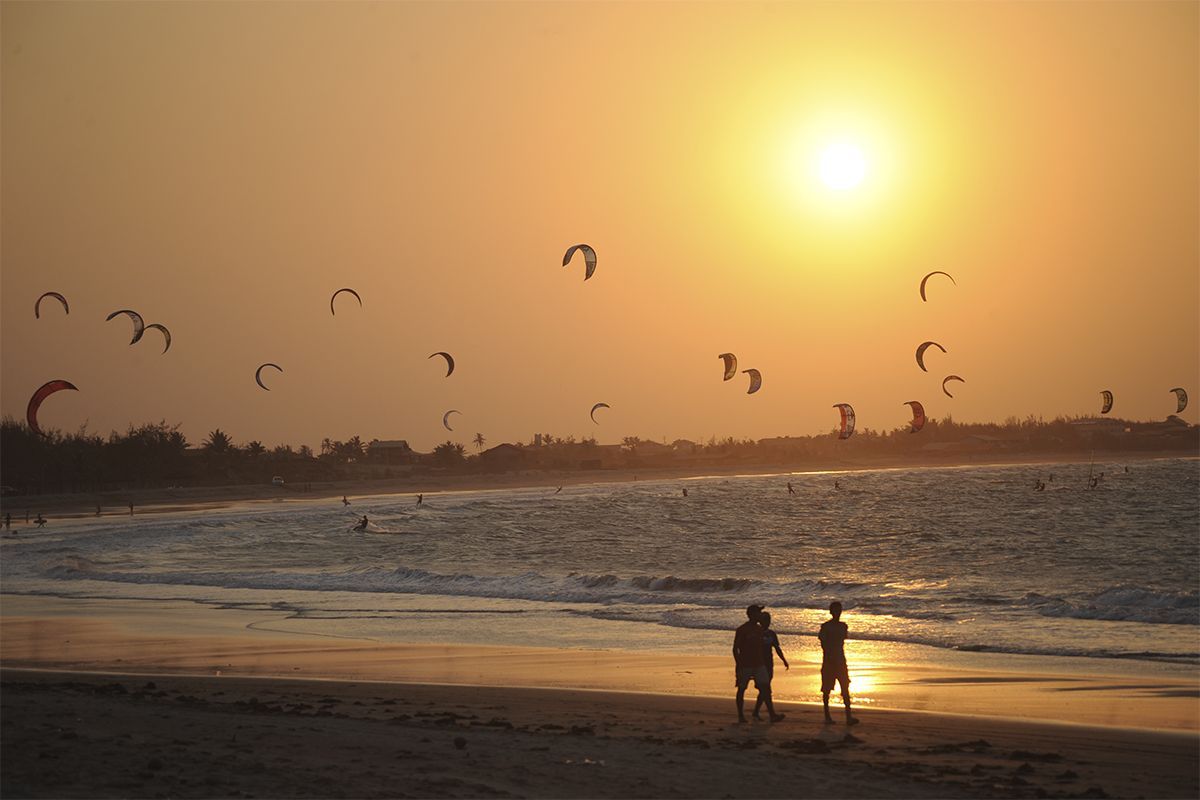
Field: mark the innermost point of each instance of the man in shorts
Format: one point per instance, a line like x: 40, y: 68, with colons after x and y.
x: 833, y: 660
x: 749, y: 658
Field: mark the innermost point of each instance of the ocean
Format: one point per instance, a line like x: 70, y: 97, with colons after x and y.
x: 969, y: 559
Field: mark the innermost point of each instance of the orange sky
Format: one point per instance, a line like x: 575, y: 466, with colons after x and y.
x: 222, y: 168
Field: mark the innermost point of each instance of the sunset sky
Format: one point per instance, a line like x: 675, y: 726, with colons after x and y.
x: 223, y: 168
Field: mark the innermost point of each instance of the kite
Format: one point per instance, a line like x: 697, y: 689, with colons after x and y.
x: 730, y: 365
x: 446, y: 418
x: 755, y: 380
x: 41, y: 394
x: 921, y: 353
x: 1106, y: 403
x: 339, y: 291
x: 449, y: 362
x: 1181, y: 397
x: 847, y: 420
x: 930, y: 275
x: 918, y: 420
x: 589, y: 257
x: 166, y: 334
x: 37, y: 307
x: 950, y: 378
x: 592, y: 413
x: 139, y: 327
x: 258, y: 374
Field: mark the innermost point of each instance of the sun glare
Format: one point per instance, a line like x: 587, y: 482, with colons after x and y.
x: 842, y: 166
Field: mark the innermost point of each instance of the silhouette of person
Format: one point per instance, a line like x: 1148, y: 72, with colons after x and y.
x: 559, y: 489
x: 770, y: 647
x: 790, y: 489
x: 420, y: 499
x: 837, y: 484
x: 749, y: 658
x: 833, y: 660
x: 41, y: 521
x: 685, y: 492
x: 8, y: 520
x: 97, y: 509
x: 131, y: 508
x: 362, y: 524
x: 345, y: 500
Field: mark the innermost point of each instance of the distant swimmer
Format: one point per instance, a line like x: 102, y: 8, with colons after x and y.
x: 362, y: 524
x: 685, y: 492
x: 420, y: 499
x: 790, y: 489
x: 345, y: 500
x: 41, y: 521
x: 837, y: 484
x: 1127, y: 469
x: 1039, y: 487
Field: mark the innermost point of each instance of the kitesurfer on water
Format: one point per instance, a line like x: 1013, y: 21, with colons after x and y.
x: 362, y: 524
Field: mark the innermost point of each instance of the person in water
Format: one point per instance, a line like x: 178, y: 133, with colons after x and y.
x: 362, y: 524
x: 685, y: 492
x: 41, y: 521
x: 345, y: 500
x: 749, y: 658
x: 837, y: 484
x: 770, y: 647
x: 790, y: 489
x: 833, y: 660
x: 420, y: 499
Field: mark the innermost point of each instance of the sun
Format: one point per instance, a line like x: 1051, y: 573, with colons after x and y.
x: 842, y: 166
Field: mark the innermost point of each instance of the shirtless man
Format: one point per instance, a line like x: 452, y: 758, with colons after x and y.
x: 833, y: 660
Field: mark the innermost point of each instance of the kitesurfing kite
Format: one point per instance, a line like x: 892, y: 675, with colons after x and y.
x: 950, y: 378
x: 166, y: 334
x: 589, y: 257
x: 37, y: 307
x: 730, y: 365
x: 1181, y: 397
x: 592, y: 413
x: 446, y: 418
x: 921, y: 353
x: 918, y: 420
x: 930, y: 275
x: 339, y: 291
x: 139, y: 327
x: 449, y: 362
x: 755, y: 380
x: 258, y: 374
x: 847, y: 420
x: 1106, y: 401
x: 41, y: 394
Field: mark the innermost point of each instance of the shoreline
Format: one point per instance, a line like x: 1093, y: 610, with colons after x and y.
x: 82, y: 505
x: 108, y: 735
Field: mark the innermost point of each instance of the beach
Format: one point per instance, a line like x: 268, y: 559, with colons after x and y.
x: 104, y: 701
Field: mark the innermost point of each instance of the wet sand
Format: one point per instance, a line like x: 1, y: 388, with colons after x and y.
x: 122, y: 704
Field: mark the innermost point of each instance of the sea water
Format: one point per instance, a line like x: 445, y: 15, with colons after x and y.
x: 967, y: 559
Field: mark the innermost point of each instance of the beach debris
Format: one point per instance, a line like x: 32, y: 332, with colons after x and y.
x: 446, y: 418
x: 755, y: 380
x: 847, y: 429
x: 921, y: 348
x: 35, y: 402
x: 166, y: 334
x: 730, y: 365
x: 589, y: 257
x: 1106, y: 401
x: 918, y: 420
x: 950, y: 378
x: 258, y: 374
x: 592, y: 413
x: 1181, y: 399
x: 449, y: 361
x: 339, y: 291
x: 37, y: 307
x: 930, y: 275
x: 139, y: 327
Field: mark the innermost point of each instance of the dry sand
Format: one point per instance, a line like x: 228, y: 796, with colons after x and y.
x: 201, y: 718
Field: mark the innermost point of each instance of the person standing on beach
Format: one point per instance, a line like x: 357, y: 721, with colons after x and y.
x: 749, y: 658
x: 770, y: 647
x: 833, y: 660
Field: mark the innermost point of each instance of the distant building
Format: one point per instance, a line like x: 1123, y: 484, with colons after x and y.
x: 391, y: 451
x: 504, y: 457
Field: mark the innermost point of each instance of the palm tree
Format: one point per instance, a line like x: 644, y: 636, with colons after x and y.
x: 218, y: 442
x: 479, y: 441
